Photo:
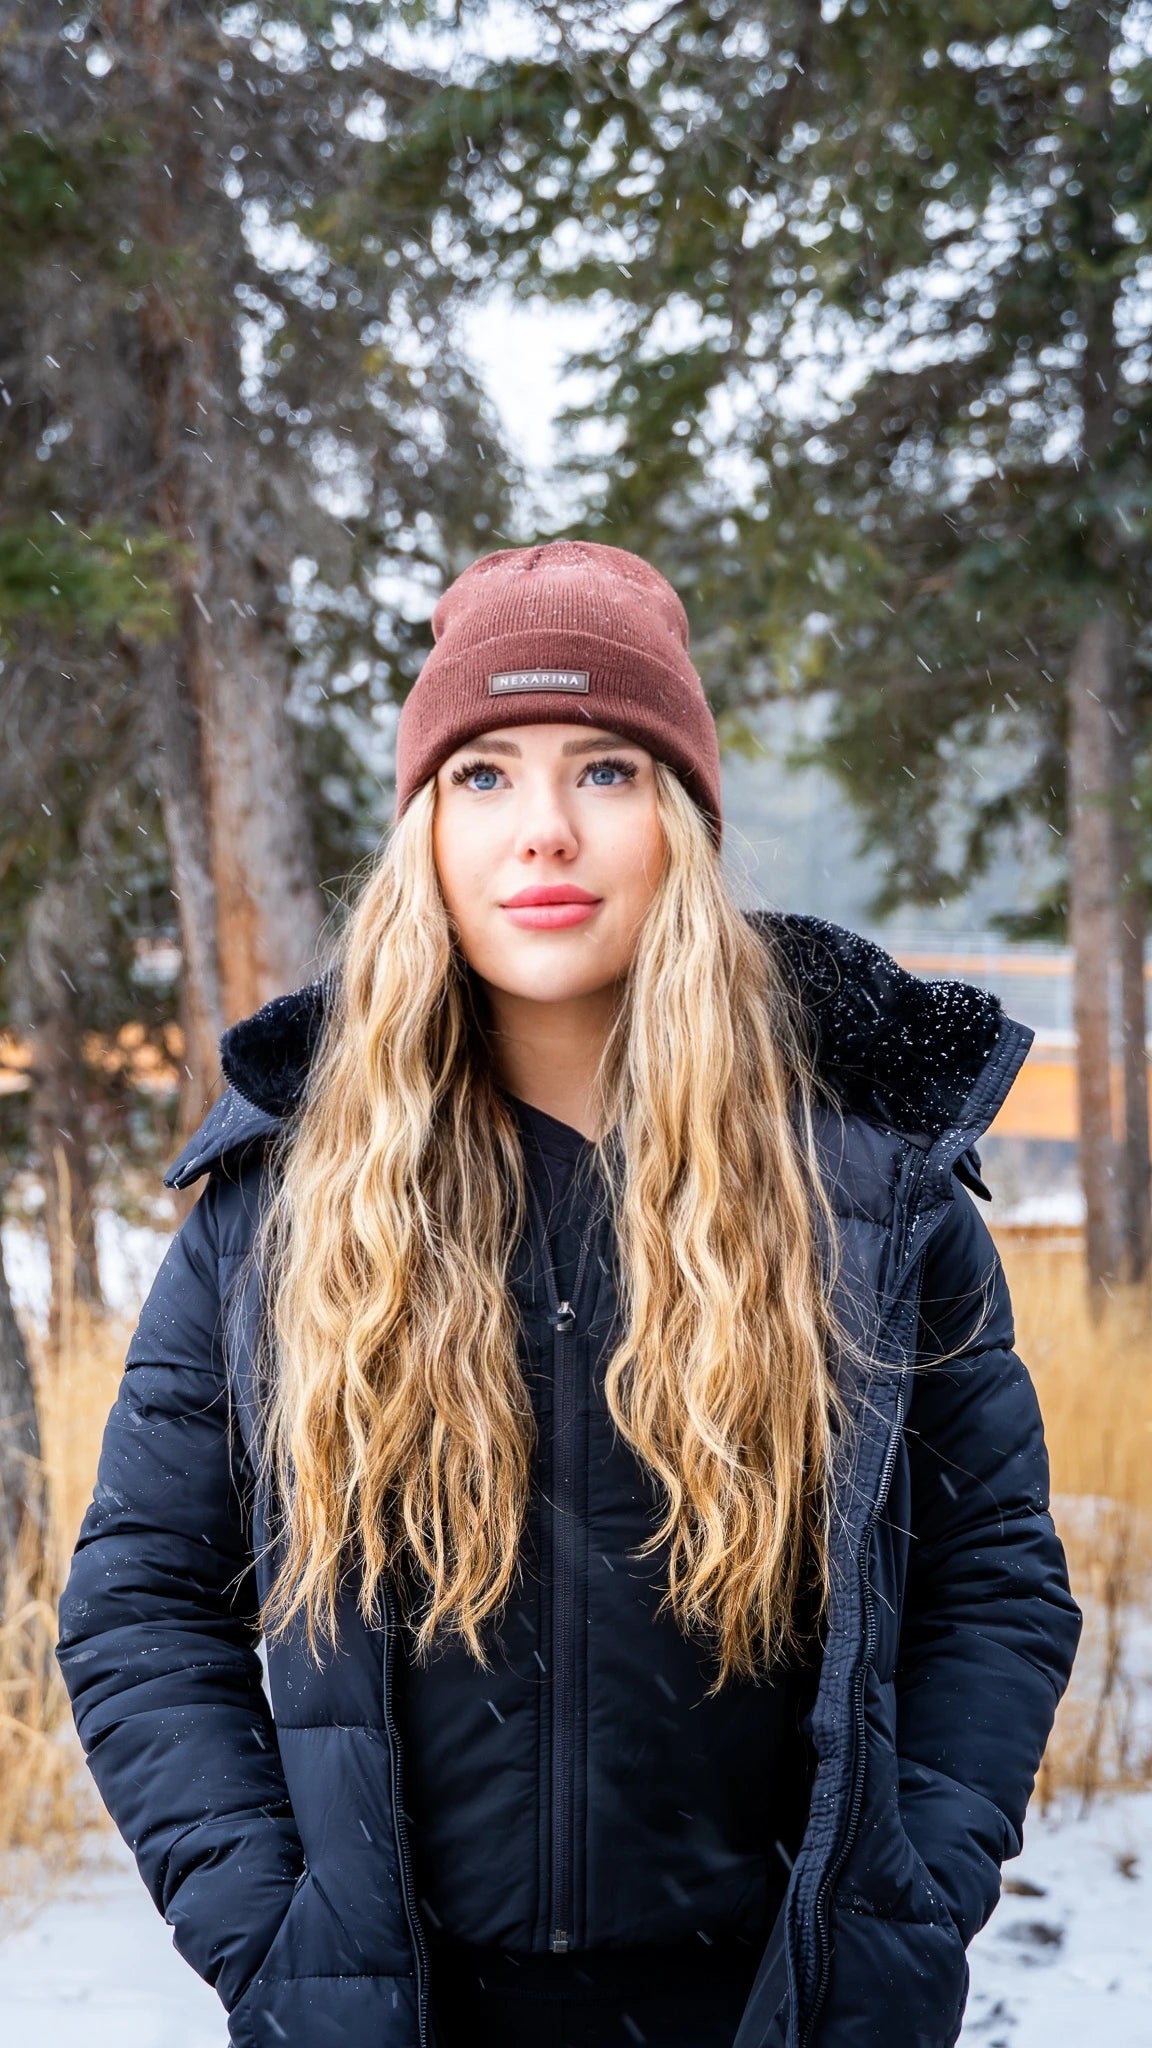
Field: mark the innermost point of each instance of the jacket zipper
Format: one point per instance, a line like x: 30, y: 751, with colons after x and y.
x: 837, y: 1862
x: 562, y: 1550
x: 857, y: 1795
x: 403, y: 1851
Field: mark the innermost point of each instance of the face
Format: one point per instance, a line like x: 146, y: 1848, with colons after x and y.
x: 557, y: 809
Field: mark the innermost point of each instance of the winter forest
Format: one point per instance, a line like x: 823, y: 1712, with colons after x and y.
x: 837, y: 311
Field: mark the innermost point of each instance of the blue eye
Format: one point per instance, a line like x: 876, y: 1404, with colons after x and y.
x: 467, y: 769
x: 625, y: 768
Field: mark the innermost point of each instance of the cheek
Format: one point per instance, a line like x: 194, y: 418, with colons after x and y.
x: 451, y: 842
x: 451, y: 865
x: 464, y: 864
x: 642, y: 856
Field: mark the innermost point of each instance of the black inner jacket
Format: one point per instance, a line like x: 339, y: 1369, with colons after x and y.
x: 641, y: 1810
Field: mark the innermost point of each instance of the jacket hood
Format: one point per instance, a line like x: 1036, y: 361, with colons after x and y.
x: 904, y: 1053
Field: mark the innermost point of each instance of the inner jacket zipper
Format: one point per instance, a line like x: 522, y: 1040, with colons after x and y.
x: 400, y: 1830
x: 560, y: 1503
x: 562, y: 1317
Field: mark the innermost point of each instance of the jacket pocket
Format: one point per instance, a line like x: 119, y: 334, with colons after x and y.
x: 277, y: 1949
x: 313, y: 1948
x: 910, y: 1892
x: 895, y: 1983
x: 885, y: 1875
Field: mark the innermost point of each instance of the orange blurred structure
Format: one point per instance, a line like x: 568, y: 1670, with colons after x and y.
x: 1043, y: 1103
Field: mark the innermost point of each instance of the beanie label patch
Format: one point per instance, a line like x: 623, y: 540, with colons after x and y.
x: 573, y: 680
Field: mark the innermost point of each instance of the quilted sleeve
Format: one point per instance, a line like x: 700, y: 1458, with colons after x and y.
x: 990, y: 1626
x: 158, y: 1633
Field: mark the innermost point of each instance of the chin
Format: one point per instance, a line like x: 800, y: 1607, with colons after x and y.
x: 549, y: 981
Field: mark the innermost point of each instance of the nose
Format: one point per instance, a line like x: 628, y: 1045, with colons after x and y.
x: 543, y: 822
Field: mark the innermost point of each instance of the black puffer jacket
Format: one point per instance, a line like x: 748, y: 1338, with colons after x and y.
x: 273, y: 1840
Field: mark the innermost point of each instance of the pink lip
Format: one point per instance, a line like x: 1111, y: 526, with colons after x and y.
x: 550, y: 892
x: 548, y: 917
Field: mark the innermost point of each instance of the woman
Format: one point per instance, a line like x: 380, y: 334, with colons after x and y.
x: 584, y: 1367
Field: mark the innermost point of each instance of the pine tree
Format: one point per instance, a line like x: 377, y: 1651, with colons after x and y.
x: 875, y: 384
x: 214, y: 385
x: 242, y: 452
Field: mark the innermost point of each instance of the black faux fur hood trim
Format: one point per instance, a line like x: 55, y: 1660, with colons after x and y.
x: 903, y: 1052
x: 267, y: 1055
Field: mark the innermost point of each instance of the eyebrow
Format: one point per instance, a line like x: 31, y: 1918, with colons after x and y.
x: 569, y: 746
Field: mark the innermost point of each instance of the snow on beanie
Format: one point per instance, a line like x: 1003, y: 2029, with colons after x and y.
x: 569, y: 631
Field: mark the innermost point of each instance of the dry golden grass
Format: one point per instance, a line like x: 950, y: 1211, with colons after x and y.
x: 74, y: 1393
x: 48, y: 1806
x: 1094, y: 1381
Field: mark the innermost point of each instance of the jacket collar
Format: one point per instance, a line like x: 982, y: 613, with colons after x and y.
x: 921, y: 1057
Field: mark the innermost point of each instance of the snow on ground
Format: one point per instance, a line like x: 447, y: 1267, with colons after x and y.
x: 1066, y: 1959
x: 1063, y: 1964
x: 96, y: 1969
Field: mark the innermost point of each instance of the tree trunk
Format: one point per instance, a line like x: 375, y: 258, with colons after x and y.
x: 1092, y: 776
x: 22, y: 1516
x: 231, y: 678
x: 1136, y: 1168
x: 1135, y: 1176
x: 53, y: 942
x: 268, y: 907
x: 231, y: 658
x: 1096, y: 668
x: 175, y: 749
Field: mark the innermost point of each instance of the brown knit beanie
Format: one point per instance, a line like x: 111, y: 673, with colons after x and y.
x: 569, y: 631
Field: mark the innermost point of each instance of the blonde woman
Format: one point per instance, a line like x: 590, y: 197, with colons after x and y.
x: 586, y: 1368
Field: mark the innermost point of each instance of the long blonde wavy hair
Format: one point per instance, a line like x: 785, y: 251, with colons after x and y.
x: 398, y: 1428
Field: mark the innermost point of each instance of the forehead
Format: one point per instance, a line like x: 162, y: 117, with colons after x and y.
x: 564, y: 739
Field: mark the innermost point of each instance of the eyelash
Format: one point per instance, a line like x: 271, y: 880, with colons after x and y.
x: 468, y: 768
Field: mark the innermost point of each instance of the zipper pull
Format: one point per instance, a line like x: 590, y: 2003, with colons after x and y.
x: 559, y: 1943
x: 564, y: 1317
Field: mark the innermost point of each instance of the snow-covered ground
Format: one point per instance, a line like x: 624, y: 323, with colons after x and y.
x: 1066, y: 1959
x: 1065, y: 1962
x: 96, y: 1969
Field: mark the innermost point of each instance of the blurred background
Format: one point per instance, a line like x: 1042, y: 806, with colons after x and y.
x: 840, y: 311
